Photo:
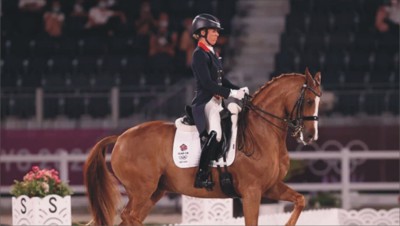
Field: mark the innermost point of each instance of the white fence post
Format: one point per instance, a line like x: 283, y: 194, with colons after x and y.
x: 345, y: 178
x: 114, y: 97
x: 64, y: 166
x: 39, y: 106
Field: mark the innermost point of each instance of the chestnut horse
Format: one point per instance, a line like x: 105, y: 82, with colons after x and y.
x: 142, y: 157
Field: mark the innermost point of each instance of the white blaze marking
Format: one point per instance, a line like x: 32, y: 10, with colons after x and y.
x: 317, y: 99
x: 302, y: 138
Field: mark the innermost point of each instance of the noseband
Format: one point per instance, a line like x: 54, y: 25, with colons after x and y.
x: 295, y: 119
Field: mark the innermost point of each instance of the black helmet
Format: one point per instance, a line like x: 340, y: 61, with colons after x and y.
x: 205, y: 20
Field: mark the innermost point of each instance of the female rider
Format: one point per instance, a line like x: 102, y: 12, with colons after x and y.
x: 211, y: 88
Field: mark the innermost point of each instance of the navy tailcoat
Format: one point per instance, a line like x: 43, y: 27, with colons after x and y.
x: 209, y: 80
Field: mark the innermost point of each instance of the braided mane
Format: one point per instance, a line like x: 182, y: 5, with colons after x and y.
x: 273, y: 80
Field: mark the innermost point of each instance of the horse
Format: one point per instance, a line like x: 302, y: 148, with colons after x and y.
x: 142, y: 161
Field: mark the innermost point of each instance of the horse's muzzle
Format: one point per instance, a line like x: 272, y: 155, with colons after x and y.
x: 306, y: 137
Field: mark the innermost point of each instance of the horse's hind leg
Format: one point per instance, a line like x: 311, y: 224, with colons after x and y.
x: 139, y: 207
x: 282, y: 192
x: 157, y: 195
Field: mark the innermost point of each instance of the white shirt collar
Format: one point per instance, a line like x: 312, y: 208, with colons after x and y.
x: 211, y: 49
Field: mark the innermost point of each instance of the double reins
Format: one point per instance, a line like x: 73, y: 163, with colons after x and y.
x: 295, y: 123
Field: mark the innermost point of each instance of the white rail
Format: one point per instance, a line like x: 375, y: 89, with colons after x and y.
x: 345, y: 186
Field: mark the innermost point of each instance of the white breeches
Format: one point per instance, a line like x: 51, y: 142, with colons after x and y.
x: 212, y: 110
x: 234, y: 108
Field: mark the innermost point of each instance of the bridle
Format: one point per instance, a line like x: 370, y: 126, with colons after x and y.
x: 296, y: 118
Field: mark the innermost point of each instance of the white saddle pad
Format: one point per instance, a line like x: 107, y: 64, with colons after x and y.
x: 186, y: 150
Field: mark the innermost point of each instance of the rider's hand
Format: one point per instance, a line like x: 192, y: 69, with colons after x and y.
x: 238, y: 94
x: 245, y: 89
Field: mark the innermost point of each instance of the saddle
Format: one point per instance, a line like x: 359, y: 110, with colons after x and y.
x: 226, y: 125
x: 225, y: 178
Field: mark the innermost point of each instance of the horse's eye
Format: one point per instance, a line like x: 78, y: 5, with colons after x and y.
x: 310, y: 101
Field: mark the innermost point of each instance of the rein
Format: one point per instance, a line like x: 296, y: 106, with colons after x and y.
x: 296, y: 123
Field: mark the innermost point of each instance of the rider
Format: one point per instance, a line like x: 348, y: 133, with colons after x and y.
x: 211, y: 88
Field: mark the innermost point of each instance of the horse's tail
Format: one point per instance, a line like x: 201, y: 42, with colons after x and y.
x: 101, y: 186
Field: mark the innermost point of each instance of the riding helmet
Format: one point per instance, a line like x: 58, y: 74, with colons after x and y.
x: 205, y: 20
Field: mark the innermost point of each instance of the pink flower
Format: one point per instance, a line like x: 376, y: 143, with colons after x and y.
x: 47, y: 173
x: 39, y: 174
x: 35, y: 168
x: 40, y: 180
x: 29, y: 176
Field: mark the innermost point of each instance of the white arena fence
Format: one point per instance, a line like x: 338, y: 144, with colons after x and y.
x: 345, y: 186
x: 197, y: 211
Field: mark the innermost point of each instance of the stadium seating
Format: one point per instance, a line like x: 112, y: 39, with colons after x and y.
x: 77, y: 70
x: 338, y: 38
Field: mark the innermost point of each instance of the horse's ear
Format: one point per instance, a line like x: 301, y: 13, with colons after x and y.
x: 309, y: 77
x: 317, y: 78
x: 307, y: 72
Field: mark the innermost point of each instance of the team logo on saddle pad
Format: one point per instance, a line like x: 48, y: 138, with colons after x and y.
x: 183, y: 154
x: 183, y: 147
x: 186, y: 150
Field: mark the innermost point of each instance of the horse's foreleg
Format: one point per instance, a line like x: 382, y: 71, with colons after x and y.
x: 251, y: 206
x: 282, y: 192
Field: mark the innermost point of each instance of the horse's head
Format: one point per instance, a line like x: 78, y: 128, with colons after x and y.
x: 291, y: 98
x: 304, y: 113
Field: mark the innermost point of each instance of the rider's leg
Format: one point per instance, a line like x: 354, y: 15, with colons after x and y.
x: 212, y: 109
x: 203, y: 173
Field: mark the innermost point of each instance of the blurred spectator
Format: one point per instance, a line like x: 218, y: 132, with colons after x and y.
x: 163, y: 40
x: 54, y: 19
x: 328, y: 101
x: 144, y: 26
x: 78, y: 9
x: 31, y: 5
x: 186, y: 44
x: 146, y: 22
x: 388, y: 17
x: 78, y: 17
x: 102, y: 20
x: 162, y: 45
x: 110, y: 3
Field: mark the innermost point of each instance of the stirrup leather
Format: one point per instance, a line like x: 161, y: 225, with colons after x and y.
x: 204, y: 180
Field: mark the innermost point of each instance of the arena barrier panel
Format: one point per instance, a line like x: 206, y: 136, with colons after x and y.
x: 196, y: 211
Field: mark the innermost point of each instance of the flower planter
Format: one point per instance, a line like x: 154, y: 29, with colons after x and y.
x: 49, y: 210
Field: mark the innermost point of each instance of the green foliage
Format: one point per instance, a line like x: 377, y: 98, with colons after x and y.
x: 297, y: 167
x: 324, y: 199
x: 39, y: 183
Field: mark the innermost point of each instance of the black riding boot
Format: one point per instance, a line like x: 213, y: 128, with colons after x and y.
x: 203, y: 179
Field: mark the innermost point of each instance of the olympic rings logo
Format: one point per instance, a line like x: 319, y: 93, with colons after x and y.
x: 334, y: 164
